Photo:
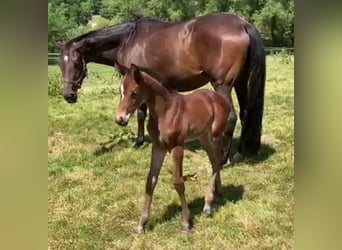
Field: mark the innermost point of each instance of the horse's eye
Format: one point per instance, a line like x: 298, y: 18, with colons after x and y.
x: 134, y: 95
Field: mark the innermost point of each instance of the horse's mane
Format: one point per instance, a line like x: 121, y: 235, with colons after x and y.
x: 129, y: 28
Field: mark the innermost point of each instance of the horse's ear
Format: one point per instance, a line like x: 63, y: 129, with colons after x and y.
x: 136, y: 73
x: 80, y: 46
x: 121, y: 68
x: 60, y: 44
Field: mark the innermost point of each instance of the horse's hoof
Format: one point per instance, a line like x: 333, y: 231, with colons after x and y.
x: 138, y: 142
x: 237, y: 157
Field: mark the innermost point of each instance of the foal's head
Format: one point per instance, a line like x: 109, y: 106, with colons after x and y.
x: 130, y: 92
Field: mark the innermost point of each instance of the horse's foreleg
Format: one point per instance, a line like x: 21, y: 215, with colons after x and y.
x: 178, y: 181
x: 141, y: 115
x: 157, y: 158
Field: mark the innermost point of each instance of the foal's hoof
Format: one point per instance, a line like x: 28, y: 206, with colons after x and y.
x: 218, y: 194
x: 138, y: 142
x: 227, y: 164
x: 186, y: 230
x: 207, y: 211
x: 140, y: 230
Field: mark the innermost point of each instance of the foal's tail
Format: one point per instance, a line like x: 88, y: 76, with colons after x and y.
x: 252, y: 124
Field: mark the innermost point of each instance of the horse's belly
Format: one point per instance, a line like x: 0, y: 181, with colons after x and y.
x: 186, y: 83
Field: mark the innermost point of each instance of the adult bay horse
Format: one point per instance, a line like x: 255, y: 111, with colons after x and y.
x: 220, y: 48
x: 174, y: 119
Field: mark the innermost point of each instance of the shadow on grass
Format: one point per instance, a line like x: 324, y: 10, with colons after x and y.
x: 230, y: 193
x: 111, y: 144
x: 265, y: 150
x: 264, y: 153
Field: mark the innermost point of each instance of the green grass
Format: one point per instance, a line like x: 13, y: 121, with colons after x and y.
x: 97, y: 180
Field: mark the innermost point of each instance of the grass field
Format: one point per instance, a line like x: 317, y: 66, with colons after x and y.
x: 96, y: 179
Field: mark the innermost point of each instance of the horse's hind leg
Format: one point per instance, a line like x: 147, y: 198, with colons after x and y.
x: 228, y: 138
x: 141, y: 115
x: 242, y: 95
x: 225, y: 90
x: 241, y: 91
x: 178, y: 181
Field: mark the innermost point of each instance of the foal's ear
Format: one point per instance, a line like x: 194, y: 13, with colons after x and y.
x: 121, y: 68
x: 136, y: 73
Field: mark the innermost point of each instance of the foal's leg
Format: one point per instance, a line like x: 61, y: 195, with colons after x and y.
x: 213, y: 148
x: 178, y: 181
x: 157, y: 158
x: 141, y: 115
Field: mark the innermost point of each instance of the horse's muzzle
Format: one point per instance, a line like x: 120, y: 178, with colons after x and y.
x: 70, y: 98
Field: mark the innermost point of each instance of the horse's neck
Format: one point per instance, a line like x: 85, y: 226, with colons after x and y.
x: 102, y: 57
x: 104, y: 51
x: 157, y: 97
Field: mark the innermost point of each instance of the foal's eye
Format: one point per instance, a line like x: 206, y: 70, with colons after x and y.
x: 134, y: 95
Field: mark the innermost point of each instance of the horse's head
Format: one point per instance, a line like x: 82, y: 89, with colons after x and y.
x: 131, y: 96
x: 74, y: 69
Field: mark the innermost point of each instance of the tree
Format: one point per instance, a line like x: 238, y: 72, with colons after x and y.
x: 276, y: 22
x: 274, y: 18
x: 58, y: 26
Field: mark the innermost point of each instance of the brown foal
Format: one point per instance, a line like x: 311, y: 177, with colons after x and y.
x: 175, y: 119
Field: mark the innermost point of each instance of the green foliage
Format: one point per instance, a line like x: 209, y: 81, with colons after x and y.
x: 97, y: 22
x: 276, y: 22
x: 58, y: 26
x: 78, y: 12
x: 55, y: 82
x: 274, y: 18
x: 285, y: 57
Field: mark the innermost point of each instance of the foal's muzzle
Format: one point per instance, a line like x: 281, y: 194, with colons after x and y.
x: 121, y: 121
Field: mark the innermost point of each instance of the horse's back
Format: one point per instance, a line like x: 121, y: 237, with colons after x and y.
x: 220, y: 23
x: 220, y: 43
x: 186, y: 55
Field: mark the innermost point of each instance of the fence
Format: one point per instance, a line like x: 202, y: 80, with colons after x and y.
x: 53, y: 57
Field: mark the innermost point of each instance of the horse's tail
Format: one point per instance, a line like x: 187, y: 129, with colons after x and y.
x: 252, y: 124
